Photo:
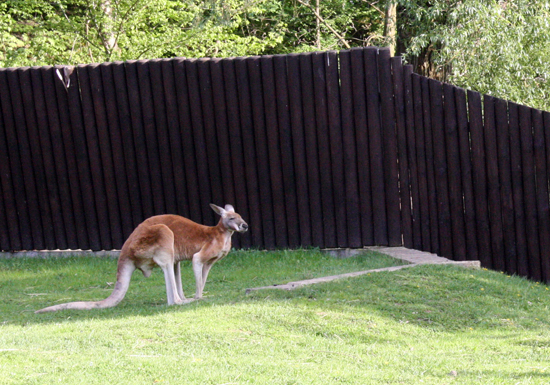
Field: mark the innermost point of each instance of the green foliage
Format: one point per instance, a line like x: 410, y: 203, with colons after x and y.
x: 75, y: 31
x: 39, y: 32
x: 500, y: 48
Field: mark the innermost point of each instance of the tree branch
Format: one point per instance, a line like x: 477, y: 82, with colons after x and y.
x: 325, y: 23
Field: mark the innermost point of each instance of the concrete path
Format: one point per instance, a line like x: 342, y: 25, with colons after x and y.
x: 412, y: 257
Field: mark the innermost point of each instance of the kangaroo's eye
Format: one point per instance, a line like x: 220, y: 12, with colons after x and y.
x: 231, y: 219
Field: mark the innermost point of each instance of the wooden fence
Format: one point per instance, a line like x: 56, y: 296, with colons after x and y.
x: 327, y: 149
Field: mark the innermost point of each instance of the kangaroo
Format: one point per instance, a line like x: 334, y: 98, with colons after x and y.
x: 164, y: 241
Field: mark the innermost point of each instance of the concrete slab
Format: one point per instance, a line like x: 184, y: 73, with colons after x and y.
x: 411, y: 257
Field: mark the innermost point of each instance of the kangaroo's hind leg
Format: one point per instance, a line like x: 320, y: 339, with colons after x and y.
x: 163, y: 255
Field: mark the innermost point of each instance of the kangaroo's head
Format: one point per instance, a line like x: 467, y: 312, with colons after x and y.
x: 230, y: 219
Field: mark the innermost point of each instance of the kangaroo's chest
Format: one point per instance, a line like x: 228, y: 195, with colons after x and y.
x: 226, y: 247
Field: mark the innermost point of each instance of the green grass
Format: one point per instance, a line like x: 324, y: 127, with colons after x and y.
x: 422, y: 325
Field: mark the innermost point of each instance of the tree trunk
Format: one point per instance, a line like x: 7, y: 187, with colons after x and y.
x: 109, y: 36
x: 390, y: 25
x: 318, y: 26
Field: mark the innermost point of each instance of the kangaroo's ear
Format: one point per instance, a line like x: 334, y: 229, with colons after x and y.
x: 229, y: 208
x: 217, y: 209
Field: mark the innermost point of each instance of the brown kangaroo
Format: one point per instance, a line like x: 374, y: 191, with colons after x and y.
x: 164, y: 241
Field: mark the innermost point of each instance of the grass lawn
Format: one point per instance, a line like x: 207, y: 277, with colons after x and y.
x: 422, y: 325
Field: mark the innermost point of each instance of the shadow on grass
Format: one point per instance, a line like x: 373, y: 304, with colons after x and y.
x: 443, y: 298
x: 31, y: 284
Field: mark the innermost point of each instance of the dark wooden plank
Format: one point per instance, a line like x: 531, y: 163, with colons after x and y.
x: 222, y: 132
x: 389, y: 145
x: 71, y: 159
x: 140, y: 141
x: 522, y: 263
x: 353, y: 207
x: 96, y: 163
x: 403, y: 156
x: 266, y: 200
x: 546, y: 129
x: 187, y: 138
x: 454, y: 174
x: 22, y: 123
x: 323, y: 148
x: 254, y: 218
x: 310, y: 130
x: 174, y: 137
x: 117, y: 151
x: 529, y: 191
x: 11, y: 229
x: 412, y: 159
x: 424, y: 209
x: 273, y: 143
x: 287, y: 161
x: 362, y: 143
x: 336, y: 146
x: 493, y: 186
x: 50, y: 175
x: 541, y: 176
x: 4, y: 230
x: 15, y: 161
x: 150, y: 131
x: 82, y: 162
x: 5, y: 199
x: 299, y: 149
x: 466, y: 174
x: 479, y: 178
x: 50, y: 78
x: 430, y: 166
x: 376, y: 147
x: 211, y: 142
x: 128, y: 151
x: 202, y: 160
x: 27, y: 92
x: 222, y: 136
x: 441, y: 169
x: 106, y: 154
x: 505, y: 179
x: 235, y: 144
x: 63, y: 155
x: 163, y: 138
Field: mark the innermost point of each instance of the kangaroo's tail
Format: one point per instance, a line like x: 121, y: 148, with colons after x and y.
x: 124, y: 274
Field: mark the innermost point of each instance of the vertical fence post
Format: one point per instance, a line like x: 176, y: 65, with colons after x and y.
x: 405, y: 185
x: 420, y: 145
x: 529, y: 191
x: 541, y: 178
x: 454, y: 173
x: 299, y: 151
x: 493, y: 186
x: 286, y: 155
x: 521, y: 260
x: 505, y: 179
x: 389, y: 144
x: 235, y: 144
x: 250, y: 156
x: 353, y: 210
x: 376, y: 148
x: 466, y: 175
x: 479, y: 178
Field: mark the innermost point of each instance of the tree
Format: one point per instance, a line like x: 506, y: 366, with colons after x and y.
x: 41, y: 32
x: 500, y: 48
x: 37, y: 32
